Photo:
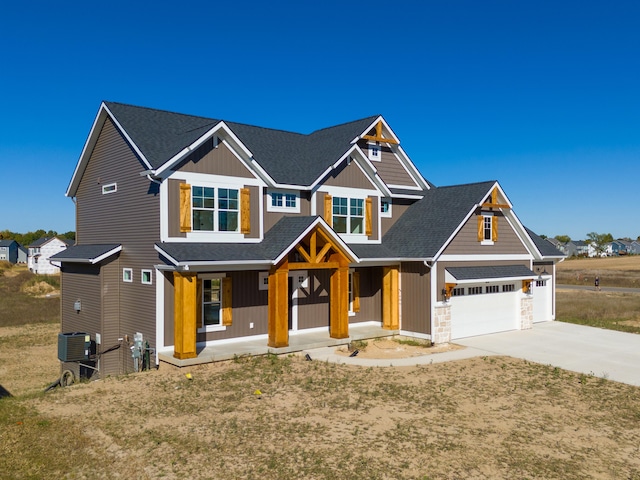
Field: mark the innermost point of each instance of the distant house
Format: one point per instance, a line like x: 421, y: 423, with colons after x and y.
x: 41, y: 250
x: 558, y: 244
x: 12, y: 251
x: 618, y: 247
x: 634, y: 249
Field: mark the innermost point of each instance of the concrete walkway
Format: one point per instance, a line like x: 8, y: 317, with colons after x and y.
x: 593, y: 351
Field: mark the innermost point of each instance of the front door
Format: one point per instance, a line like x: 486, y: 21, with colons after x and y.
x: 297, y: 279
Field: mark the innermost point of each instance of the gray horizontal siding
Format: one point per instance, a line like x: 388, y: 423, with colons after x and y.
x: 466, y: 240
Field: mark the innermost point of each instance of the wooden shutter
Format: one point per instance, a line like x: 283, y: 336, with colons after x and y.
x: 198, y: 303
x: 368, y: 216
x: 185, y: 207
x: 328, y: 209
x: 494, y: 228
x: 355, y: 287
x: 245, y: 210
x: 226, y: 302
x: 480, y: 228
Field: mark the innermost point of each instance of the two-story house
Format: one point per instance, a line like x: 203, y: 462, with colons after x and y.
x: 40, y: 253
x: 12, y: 252
x: 199, y: 232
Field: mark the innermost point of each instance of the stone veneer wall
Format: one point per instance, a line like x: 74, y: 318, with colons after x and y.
x: 442, y: 324
x: 526, y: 313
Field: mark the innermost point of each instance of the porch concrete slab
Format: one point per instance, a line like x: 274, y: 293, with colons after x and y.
x: 592, y: 351
x: 298, y: 341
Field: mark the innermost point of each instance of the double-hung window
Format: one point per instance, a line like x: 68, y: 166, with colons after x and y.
x: 348, y: 215
x: 487, y: 228
x: 215, y: 215
x: 211, y: 302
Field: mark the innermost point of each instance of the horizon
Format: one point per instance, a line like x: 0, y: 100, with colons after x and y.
x: 540, y: 96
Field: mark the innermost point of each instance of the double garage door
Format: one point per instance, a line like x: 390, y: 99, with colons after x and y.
x: 483, y: 313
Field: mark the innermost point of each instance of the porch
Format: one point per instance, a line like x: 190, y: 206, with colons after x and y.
x: 298, y: 341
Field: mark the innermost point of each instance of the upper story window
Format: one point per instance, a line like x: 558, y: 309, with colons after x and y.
x: 280, y: 201
x: 215, y: 214
x: 110, y: 188
x: 375, y: 152
x: 348, y: 215
x: 385, y: 207
x: 487, y: 228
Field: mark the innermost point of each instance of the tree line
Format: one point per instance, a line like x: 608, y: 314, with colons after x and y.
x: 26, y: 239
x: 598, y: 240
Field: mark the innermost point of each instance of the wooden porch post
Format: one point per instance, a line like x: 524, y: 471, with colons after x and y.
x: 390, y: 298
x: 339, y: 299
x: 279, y: 306
x: 184, y: 314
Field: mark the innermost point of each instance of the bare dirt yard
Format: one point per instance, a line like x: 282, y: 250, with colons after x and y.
x: 288, y: 418
x: 284, y: 417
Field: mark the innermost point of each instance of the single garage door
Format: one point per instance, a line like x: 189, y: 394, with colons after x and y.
x: 542, y: 300
x: 480, y: 314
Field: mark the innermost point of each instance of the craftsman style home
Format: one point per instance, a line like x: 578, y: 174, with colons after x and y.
x: 201, y: 234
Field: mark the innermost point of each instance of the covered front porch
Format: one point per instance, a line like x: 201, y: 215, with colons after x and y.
x: 298, y: 342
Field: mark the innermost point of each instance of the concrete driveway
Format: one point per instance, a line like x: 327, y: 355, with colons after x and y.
x: 603, y: 353
x: 592, y: 351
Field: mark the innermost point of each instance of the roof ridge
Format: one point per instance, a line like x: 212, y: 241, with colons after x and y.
x: 107, y: 102
x: 466, y: 184
x: 344, y: 123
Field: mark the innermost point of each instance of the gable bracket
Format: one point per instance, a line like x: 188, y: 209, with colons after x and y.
x: 378, y: 136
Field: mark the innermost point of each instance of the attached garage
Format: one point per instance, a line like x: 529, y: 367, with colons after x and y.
x: 485, y: 299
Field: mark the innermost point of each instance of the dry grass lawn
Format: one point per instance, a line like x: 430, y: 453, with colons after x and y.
x: 613, y: 271
x: 287, y: 418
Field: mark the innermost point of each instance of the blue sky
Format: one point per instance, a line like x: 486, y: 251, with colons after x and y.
x: 543, y: 96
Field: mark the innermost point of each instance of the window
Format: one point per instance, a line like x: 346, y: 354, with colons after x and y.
x: 374, y: 152
x: 508, y: 288
x: 211, y: 302
x: 211, y: 216
x: 127, y: 275
x: 492, y: 289
x: 146, y: 277
x: 283, y: 202
x: 541, y: 283
x: 348, y: 215
x: 110, y: 188
x: 458, y: 292
x: 475, y: 290
x: 385, y: 207
x: 487, y: 228
x: 263, y: 280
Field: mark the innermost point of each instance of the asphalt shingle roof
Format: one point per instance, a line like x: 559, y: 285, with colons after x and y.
x: 547, y: 249
x: 84, y: 253
x: 288, y: 157
x: 429, y: 223
x: 486, y: 272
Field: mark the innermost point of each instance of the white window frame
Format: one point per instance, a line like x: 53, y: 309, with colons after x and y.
x: 349, y: 216
x: 350, y: 292
x: 109, y: 188
x: 216, y: 210
x: 202, y: 328
x: 142, y: 275
x: 375, y: 151
x: 485, y: 229
x: 272, y: 194
x: 388, y: 213
x: 263, y: 280
x: 127, y: 275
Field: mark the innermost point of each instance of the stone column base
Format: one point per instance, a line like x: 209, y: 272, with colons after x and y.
x: 442, y: 324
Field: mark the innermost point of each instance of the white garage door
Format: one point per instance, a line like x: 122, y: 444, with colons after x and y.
x: 484, y: 313
x: 541, y: 300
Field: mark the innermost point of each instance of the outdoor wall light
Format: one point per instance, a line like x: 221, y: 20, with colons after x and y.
x: 77, y: 306
x: 444, y: 295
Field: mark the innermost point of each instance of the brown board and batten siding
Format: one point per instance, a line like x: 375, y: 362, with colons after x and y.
x: 398, y: 207
x: 415, y: 299
x: 348, y: 175
x: 129, y: 216
x: 370, y: 295
x: 214, y: 161
x: 80, y: 283
x: 313, y: 301
x: 271, y: 218
x: 111, y: 277
x: 466, y: 240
